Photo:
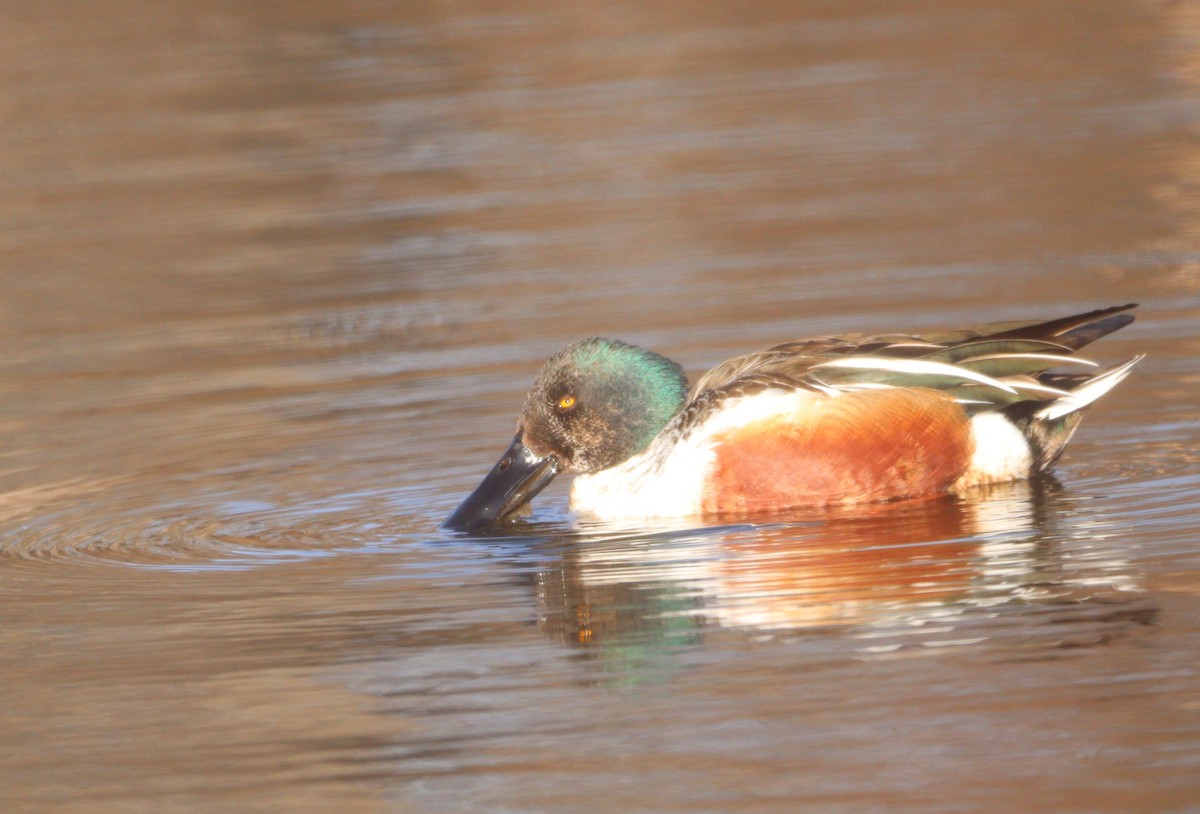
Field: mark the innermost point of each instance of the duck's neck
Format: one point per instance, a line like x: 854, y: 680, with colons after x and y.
x: 663, y: 480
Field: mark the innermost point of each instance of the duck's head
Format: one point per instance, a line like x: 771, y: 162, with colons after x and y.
x: 593, y: 405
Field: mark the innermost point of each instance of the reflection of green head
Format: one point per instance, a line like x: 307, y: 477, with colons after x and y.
x: 599, y: 402
x: 630, y: 631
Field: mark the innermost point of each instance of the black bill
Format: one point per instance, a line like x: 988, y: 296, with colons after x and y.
x: 513, y: 481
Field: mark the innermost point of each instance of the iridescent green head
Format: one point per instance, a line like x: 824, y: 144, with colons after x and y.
x: 592, y: 406
x: 599, y: 402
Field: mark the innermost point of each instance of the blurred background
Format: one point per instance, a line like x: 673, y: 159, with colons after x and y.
x: 274, y: 277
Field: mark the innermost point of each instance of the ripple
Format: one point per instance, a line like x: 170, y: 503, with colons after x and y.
x: 112, y: 522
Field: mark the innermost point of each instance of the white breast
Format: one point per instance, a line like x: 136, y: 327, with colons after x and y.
x: 641, y: 487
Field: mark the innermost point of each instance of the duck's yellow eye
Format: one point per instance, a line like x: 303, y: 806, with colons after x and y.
x: 566, y: 402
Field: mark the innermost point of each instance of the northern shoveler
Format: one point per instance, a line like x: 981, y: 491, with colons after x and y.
x: 815, y: 422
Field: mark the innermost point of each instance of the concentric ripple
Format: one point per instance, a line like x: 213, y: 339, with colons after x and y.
x: 113, y: 523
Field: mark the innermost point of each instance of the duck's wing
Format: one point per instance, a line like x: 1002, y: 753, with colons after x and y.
x: 985, y: 368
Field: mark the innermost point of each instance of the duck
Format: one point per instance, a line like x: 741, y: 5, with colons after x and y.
x: 823, y: 421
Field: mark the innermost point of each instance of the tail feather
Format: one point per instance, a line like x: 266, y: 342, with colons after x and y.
x: 1076, y: 338
x: 1086, y: 393
x: 1049, y: 425
x: 1072, y: 332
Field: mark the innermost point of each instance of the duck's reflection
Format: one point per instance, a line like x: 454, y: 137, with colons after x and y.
x: 902, y: 562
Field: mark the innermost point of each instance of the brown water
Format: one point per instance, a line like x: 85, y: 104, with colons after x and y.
x: 276, y: 275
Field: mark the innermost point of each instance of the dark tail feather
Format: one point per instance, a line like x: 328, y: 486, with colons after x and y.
x: 1076, y: 331
x: 1047, y: 439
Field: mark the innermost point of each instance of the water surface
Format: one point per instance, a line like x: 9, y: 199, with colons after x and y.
x: 275, y: 279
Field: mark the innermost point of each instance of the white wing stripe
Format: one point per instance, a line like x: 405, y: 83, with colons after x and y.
x: 1049, y: 357
x: 916, y: 366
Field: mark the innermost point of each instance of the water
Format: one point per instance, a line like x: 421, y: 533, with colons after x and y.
x: 275, y: 278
